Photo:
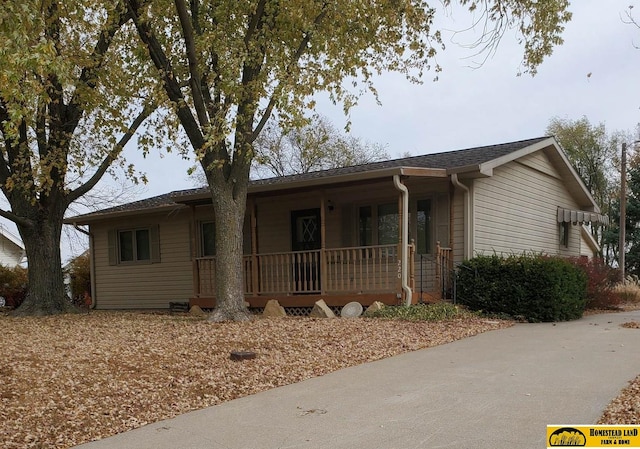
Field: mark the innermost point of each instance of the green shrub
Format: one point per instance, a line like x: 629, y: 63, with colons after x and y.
x: 13, y: 285
x: 421, y: 312
x: 536, y: 288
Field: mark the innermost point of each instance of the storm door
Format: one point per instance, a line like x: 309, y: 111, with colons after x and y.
x: 306, y: 243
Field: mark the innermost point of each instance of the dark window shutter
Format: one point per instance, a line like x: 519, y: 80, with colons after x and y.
x: 154, y: 237
x: 113, y: 246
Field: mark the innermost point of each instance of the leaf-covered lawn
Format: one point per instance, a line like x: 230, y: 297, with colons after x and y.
x: 70, y: 379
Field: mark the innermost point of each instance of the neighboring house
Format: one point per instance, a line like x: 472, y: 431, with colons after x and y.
x: 11, y: 249
x: 388, y: 231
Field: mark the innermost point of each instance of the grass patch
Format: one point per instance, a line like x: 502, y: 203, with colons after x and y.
x: 423, y: 312
x: 629, y: 291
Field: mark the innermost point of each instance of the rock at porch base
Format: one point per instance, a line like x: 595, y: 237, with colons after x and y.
x: 377, y: 305
x: 197, y: 311
x: 321, y: 310
x: 273, y: 309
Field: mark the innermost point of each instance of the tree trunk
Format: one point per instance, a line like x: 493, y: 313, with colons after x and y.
x: 46, y: 294
x: 229, y: 204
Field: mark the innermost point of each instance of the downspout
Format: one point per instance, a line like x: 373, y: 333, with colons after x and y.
x: 467, y: 215
x: 91, y: 264
x: 405, y: 238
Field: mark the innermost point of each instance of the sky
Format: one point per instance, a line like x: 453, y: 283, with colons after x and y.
x: 595, y: 73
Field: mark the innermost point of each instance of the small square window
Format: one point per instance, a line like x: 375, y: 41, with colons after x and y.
x: 134, y: 245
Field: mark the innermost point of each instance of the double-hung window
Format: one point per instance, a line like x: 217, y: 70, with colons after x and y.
x: 134, y: 245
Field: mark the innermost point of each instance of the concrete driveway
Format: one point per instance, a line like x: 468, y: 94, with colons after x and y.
x: 496, y: 390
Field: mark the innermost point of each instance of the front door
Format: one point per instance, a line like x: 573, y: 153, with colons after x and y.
x: 305, y: 241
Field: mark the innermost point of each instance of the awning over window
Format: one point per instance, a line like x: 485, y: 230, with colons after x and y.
x: 581, y: 216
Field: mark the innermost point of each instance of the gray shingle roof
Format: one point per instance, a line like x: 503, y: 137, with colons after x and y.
x: 448, y: 160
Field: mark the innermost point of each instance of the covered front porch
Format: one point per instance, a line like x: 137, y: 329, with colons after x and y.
x: 337, y: 275
x: 362, y: 241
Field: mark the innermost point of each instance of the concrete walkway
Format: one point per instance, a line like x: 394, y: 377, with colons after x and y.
x: 496, y: 390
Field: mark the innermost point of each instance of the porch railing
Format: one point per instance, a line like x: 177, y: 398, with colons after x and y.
x: 362, y: 269
x: 370, y: 269
x: 294, y: 272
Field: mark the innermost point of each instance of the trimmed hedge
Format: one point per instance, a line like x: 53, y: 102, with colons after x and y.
x: 536, y: 288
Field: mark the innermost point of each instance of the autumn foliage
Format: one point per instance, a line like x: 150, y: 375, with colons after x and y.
x: 13, y: 285
x: 601, y: 279
x: 80, y: 278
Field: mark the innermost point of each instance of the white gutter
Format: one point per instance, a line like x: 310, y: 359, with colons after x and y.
x: 467, y: 215
x: 405, y: 238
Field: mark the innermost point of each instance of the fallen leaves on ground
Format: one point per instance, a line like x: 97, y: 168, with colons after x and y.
x: 66, y: 380
x: 625, y: 409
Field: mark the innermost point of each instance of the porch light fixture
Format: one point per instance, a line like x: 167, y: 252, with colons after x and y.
x: 330, y: 206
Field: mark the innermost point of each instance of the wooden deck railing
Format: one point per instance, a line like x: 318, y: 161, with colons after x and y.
x: 369, y: 269
x: 205, y: 282
x: 362, y: 269
x: 289, y: 273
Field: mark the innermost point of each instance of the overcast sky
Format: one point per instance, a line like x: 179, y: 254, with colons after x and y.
x: 470, y: 107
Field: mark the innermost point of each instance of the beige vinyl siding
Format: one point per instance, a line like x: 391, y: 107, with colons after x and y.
x: 145, y: 285
x: 457, y: 209
x: 538, y: 161
x: 585, y: 248
x: 515, y: 210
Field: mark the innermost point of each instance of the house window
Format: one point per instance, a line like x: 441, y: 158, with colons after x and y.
x: 208, y: 238
x: 423, y: 228
x: 388, y: 224
x: 564, y: 234
x: 378, y: 225
x: 134, y: 245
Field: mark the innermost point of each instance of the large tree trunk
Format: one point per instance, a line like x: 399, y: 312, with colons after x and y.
x: 229, y: 204
x: 46, y: 294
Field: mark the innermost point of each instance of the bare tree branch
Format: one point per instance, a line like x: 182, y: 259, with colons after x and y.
x: 113, y: 154
x: 16, y: 218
